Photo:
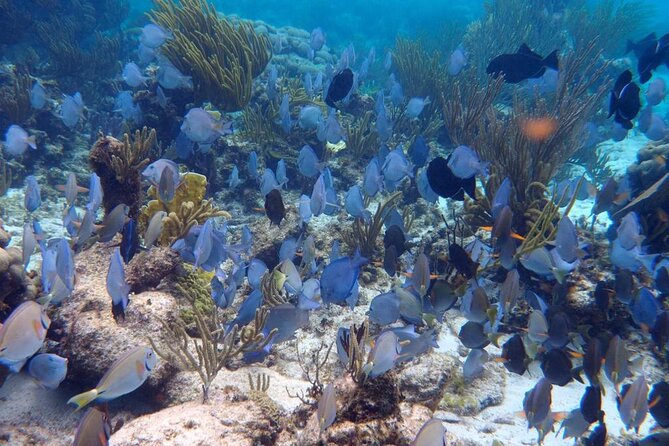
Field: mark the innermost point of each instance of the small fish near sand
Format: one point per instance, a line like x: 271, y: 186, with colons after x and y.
x: 126, y: 374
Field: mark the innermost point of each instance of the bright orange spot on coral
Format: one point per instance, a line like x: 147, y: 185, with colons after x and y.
x: 539, y: 129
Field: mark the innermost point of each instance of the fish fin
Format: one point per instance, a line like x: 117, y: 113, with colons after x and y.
x: 82, y: 189
x: 559, y: 416
x: 620, y: 198
x: 654, y: 402
x: 517, y: 236
x: 524, y: 49
x: 31, y: 142
x: 500, y: 359
x: 494, y: 338
x: 551, y: 61
x: 486, y: 228
x: 60, y: 187
x: 83, y: 399
x: 559, y: 275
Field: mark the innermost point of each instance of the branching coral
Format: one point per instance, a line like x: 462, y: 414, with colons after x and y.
x: 215, y: 348
x: 258, y: 123
x: 355, y: 345
x: 312, y: 371
x: 505, y: 26
x: 361, y: 137
x: 465, y: 106
x: 607, y: 23
x: 271, y: 286
x: 222, y: 58
x: 364, y: 235
x: 62, y: 36
x: 503, y: 141
x: 119, y: 165
x: 420, y: 72
x: 187, y: 208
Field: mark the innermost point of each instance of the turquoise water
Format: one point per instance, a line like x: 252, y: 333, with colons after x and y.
x: 474, y: 191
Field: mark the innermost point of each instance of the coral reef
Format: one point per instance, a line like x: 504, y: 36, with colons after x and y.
x: 364, y: 235
x: 15, y: 97
x: 119, y: 165
x: 420, y: 72
x: 230, y: 417
x: 361, y: 137
x: 505, y: 26
x: 650, y: 198
x: 614, y: 19
x: 5, y: 176
x: 222, y: 58
x: 526, y: 161
x: 91, y: 339
x: 216, y: 346
x: 15, y: 285
x: 188, y: 208
x: 148, y: 268
x: 465, y: 106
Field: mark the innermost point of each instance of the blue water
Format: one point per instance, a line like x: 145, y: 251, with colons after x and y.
x: 293, y: 177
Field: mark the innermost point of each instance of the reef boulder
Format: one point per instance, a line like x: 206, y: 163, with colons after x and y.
x: 90, y: 337
x: 227, y: 418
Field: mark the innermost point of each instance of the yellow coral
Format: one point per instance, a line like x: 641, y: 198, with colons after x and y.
x: 187, y: 209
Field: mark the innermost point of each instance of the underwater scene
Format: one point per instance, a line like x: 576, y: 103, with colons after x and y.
x: 269, y: 222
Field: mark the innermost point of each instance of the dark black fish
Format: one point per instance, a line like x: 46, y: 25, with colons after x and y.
x: 597, y: 437
x: 556, y: 366
x: 274, y: 207
x: 558, y: 330
x: 445, y: 184
x: 129, y: 240
x: 390, y: 260
x: 624, y: 285
x: 662, y: 280
x: 654, y: 54
x: 524, y: 64
x: 603, y: 296
x: 394, y: 236
x: 461, y: 260
x: 660, y: 331
x: 593, y: 359
x: 442, y: 297
x: 656, y: 439
x: 625, y: 103
x: 340, y: 86
x: 591, y: 404
x: 658, y: 402
x: 472, y: 335
x: 642, y: 45
x: 514, y: 355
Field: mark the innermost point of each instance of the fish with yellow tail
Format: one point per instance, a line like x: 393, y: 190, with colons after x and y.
x: 125, y: 375
x: 23, y: 334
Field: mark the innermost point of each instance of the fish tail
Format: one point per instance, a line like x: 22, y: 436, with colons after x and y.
x: 83, y: 399
x: 551, y: 61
